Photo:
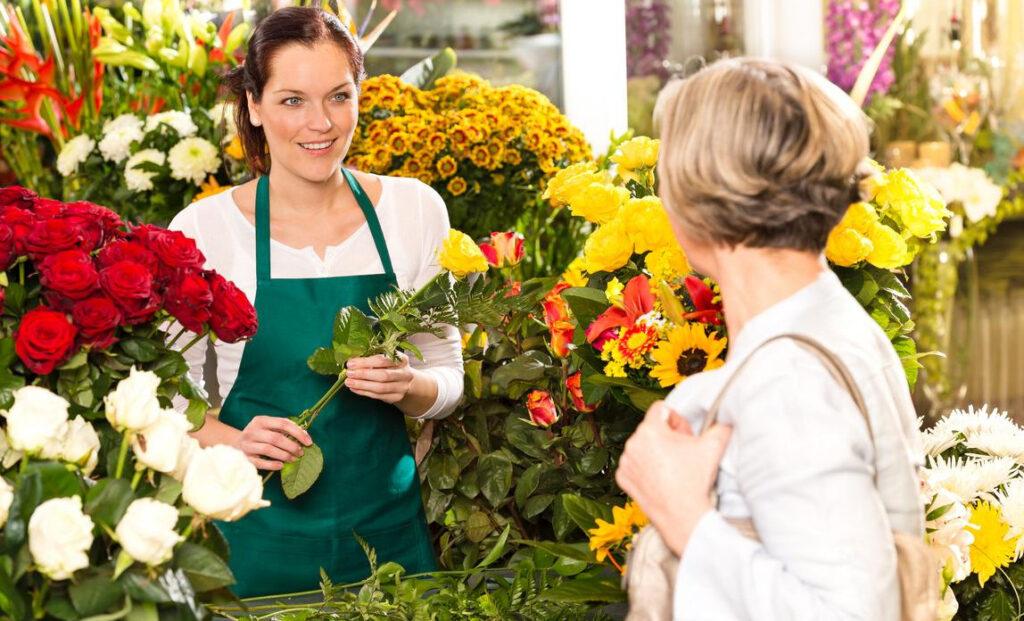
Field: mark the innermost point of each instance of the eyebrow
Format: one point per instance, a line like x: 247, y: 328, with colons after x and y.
x: 292, y: 90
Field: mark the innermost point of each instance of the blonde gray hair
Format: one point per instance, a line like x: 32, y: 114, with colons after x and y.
x: 759, y: 153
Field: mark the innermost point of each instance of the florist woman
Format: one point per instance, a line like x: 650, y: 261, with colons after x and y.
x: 303, y: 239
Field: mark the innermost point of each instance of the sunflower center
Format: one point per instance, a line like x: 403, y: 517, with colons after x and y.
x: 692, y: 361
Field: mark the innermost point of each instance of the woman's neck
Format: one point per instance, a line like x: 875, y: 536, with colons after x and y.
x: 754, y: 279
x: 291, y: 193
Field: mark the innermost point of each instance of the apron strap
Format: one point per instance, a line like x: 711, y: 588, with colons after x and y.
x: 263, y: 225
x: 371, y: 219
x: 263, y: 229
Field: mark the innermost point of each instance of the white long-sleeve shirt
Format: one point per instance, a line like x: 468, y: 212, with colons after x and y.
x: 802, y: 466
x: 415, y: 223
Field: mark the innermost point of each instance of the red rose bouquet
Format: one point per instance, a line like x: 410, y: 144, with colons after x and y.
x: 84, y: 298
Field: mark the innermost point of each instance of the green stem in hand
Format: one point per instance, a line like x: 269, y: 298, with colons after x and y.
x: 430, y: 283
x: 314, y: 411
x: 176, y: 337
x: 122, y: 455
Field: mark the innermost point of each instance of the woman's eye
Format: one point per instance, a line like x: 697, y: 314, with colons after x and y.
x: 292, y: 101
x: 341, y: 97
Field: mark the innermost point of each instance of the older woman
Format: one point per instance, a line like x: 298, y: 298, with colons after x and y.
x: 303, y: 239
x: 759, y: 162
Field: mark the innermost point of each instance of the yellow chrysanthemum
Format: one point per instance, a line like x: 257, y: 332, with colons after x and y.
x: 575, y: 274
x: 846, y: 246
x: 688, y: 350
x: 637, y: 154
x: 667, y: 264
x: 647, y: 224
x: 513, y: 157
x: 446, y: 166
x: 635, y: 342
x: 992, y: 549
x: 598, y: 202
x: 613, y: 291
x: 457, y: 186
x: 888, y: 248
x: 399, y: 143
x: 608, y: 248
x: 480, y: 156
x: 460, y: 255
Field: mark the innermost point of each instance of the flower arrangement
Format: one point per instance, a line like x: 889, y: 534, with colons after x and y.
x: 854, y: 30
x: 970, y: 192
x: 648, y: 37
x: 150, y: 167
x: 487, y: 150
x: 974, y: 498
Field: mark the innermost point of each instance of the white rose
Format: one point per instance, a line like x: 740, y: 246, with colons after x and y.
x: 186, y: 451
x: 75, y: 152
x: 192, y: 159
x: 37, y: 421
x: 222, y: 483
x: 133, y: 404
x: 6, y: 497
x: 136, y: 179
x: 59, y: 537
x: 81, y: 445
x: 146, y: 532
x: 158, y: 445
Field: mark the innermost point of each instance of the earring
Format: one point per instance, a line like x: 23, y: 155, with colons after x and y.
x: 257, y: 123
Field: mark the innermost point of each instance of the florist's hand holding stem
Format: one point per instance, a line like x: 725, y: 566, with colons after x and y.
x: 379, y: 377
x: 669, y: 472
x: 269, y: 441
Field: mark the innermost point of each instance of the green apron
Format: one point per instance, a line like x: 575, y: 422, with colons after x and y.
x: 369, y: 484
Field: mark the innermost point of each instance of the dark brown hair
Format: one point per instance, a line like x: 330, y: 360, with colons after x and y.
x: 305, y: 25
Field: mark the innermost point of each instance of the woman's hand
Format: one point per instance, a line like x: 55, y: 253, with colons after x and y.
x: 379, y: 377
x: 269, y: 441
x: 669, y: 471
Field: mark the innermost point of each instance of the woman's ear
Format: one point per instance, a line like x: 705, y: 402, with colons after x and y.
x: 254, y: 110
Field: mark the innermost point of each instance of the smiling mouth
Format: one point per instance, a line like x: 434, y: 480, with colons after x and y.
x: 318, y: 147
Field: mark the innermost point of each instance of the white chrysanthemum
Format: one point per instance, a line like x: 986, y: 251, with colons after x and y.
x: 224, y: 112
x: 989, y: 431
x: 1011, y: 504
x: 972, y: 478
x: 193, y: 159
x: 939, y: 438
x: 179, y: 121
x: 75, y: 152
x: 118, y: 136
x: 139, y: 180
x: 947, y: 534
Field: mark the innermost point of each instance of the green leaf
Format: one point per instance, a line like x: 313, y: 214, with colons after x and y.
x: 569, y: 567
x: 142, y: 588
x: 575, y: 551
x: 205, y: 570
x: 442, y: 472
x: 171, y: 365
x: 594, y: 461
x: 495, y: 475
x: 141, y: 350
x: 11, y: 601
x: 107, y: 501
x: 196, y: 413
x: 168, y: 491
x: 592, y: 589
x: 585, y: 303
x: 641, y: 398
x: 997, y: 606
x: 300, y: 475
x: 498, y: 548
x: 528, y: 367
x: 143, y: 611
x: 96, y: 595
x: 907, y: 350
x: 478, y: 526
x: 584, y: 511
x: 353, y: 330
x: 536, y: 505
x: 322, y: 361
x: 527, y: 484
x: 423, y: 74
x: 474, y: 378
x: 76, y: 361
x: 60, y: 608
x: 9, y: 382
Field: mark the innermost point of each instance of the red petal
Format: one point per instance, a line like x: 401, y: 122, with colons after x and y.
x: 612, y: 318
x: 637, y: 297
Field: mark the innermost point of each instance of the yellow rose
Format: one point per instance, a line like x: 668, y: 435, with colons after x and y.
x: 861, y: 217
x: 460, y: 255
x: 919, y: 207
x: 568, y: 181
x: 637, y: 154
x: 647, y: 224
x: 608, y: 248
x: 847, y: 246
x: 575, y: 274
x: 889, y: 249
x: 598, y: 202
x: 667, y: 263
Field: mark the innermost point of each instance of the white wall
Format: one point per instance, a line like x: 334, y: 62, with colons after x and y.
x: 790, y: 30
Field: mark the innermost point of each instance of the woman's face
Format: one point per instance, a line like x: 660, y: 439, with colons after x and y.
x: 308, y: 110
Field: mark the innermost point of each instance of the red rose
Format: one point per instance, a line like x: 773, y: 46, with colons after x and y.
x: 175, y: 250
x: 52, y: 236
x: 542, y: 408
x: 130, y: 286
x: 188, y: 300
x: 44, y: 339
x: 48, y: 208
x: 96, y: 224
x: 232, y: 317
x: 17, y: 196
x: 97, y: 320
x: 21, y: 222
x: 8, y: 248
x: 123, y: 250
x: 574, y: 385
x: 69, y: 273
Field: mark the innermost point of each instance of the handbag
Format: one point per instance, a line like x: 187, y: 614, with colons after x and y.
x: 651, y: 566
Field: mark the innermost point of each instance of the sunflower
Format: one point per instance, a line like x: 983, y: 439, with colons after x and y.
x: 447, y: 167
x: 399, y: 143
x: 687, y: 351
x: 457, y: 186
x: 480, y: 156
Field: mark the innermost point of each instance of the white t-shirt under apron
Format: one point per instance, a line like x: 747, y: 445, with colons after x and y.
x: 415, y: 223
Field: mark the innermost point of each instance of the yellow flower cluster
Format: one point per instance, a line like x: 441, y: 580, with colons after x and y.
x: 625, y: 522
x: 898, y: 209
x: 463, y: 135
